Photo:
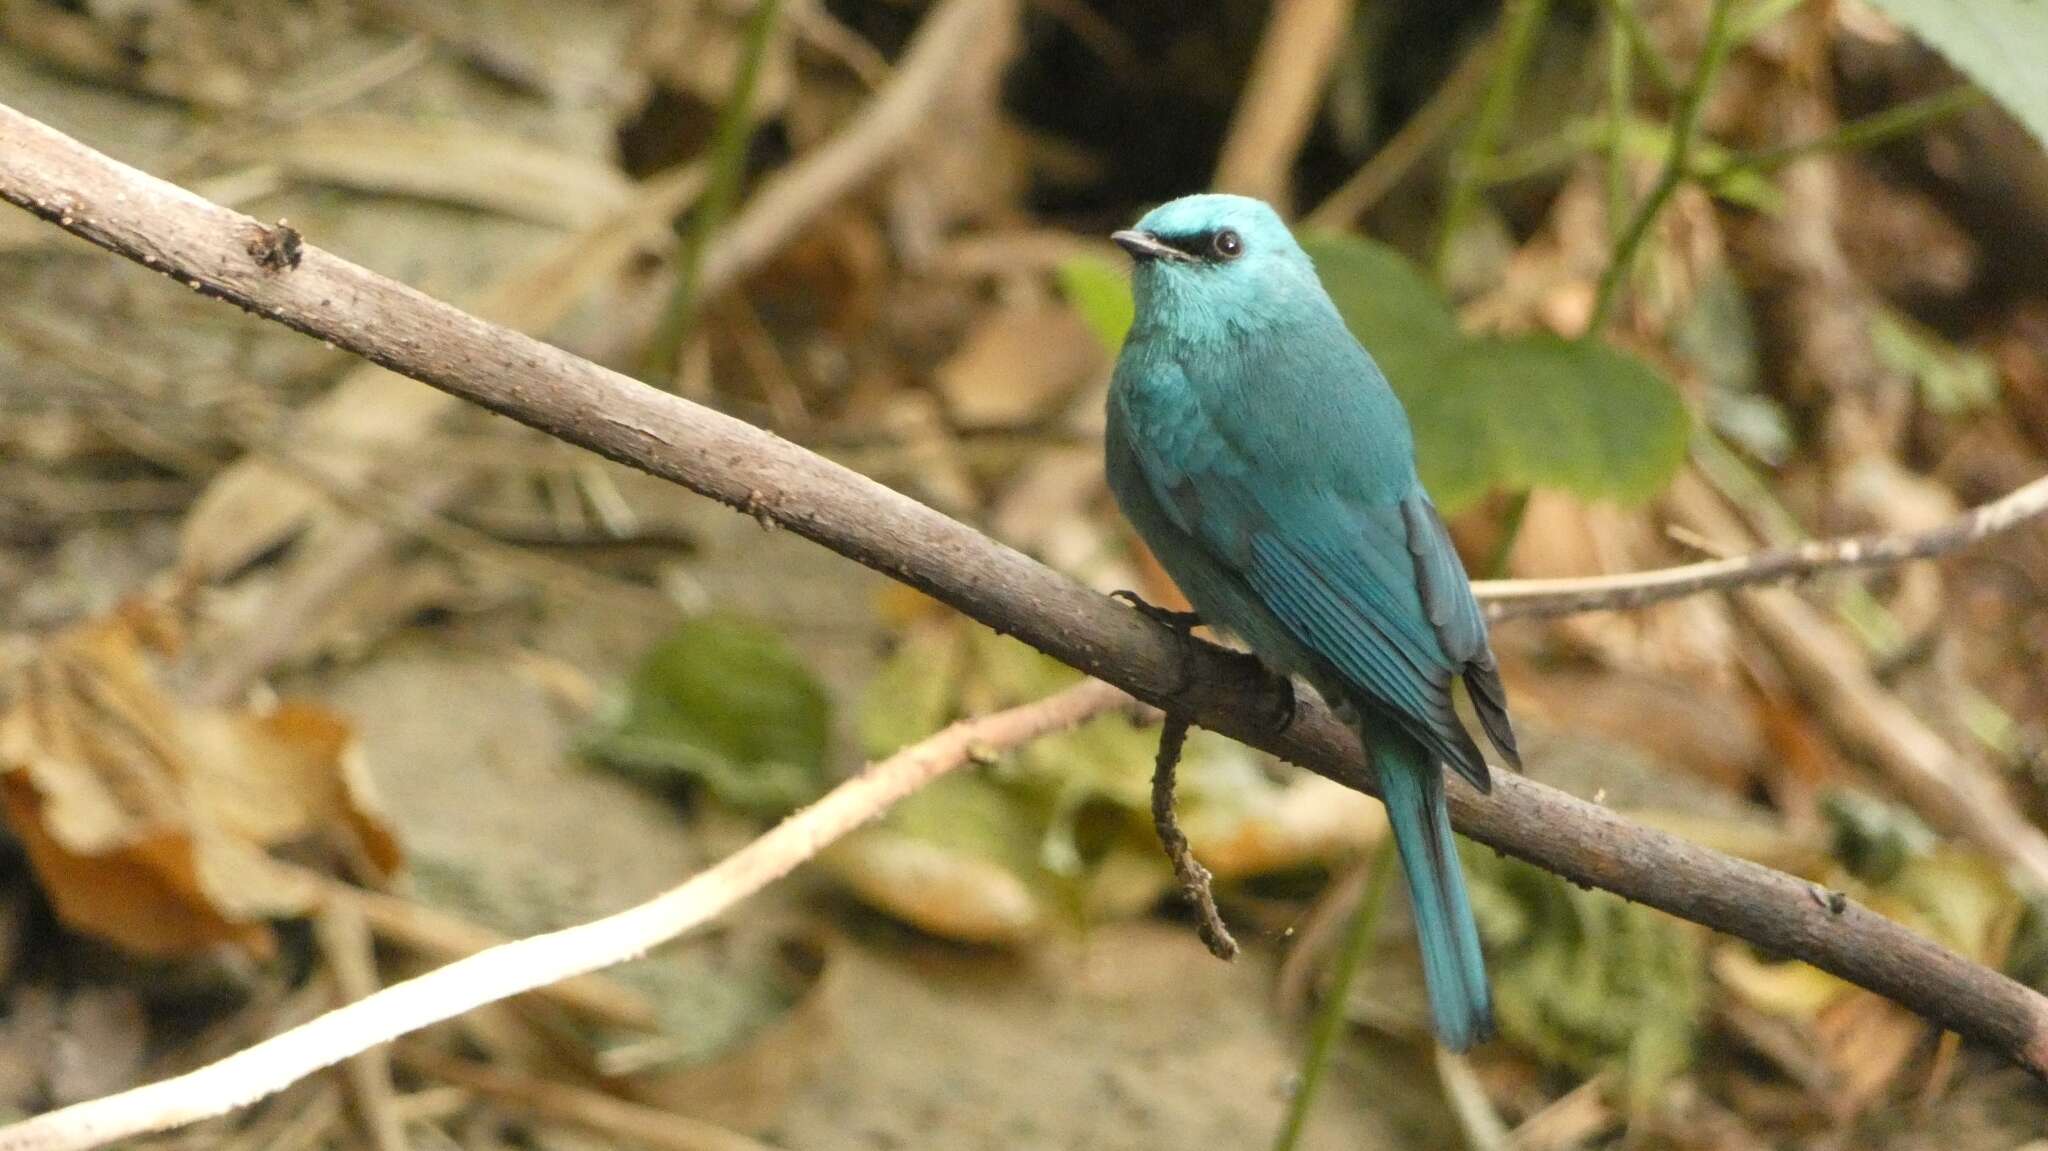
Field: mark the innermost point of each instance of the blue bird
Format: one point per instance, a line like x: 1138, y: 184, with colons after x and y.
x: 1258, y: 450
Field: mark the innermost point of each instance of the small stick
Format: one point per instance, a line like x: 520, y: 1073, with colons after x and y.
x: 1281, y: 95
x: 345, y: 938
x: 444, y: 936
x: 564, y: 1103
x: 1541, y: 598
x: 1194, y: 878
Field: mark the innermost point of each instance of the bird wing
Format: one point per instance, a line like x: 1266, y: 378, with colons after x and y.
x: 1373, y: 587
x: 1454, y: 613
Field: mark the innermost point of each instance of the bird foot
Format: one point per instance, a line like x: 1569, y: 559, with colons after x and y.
x: 1279, y: 716
x: 1274, y: 692
x: 1180, y: 621
x: 1279, y: 710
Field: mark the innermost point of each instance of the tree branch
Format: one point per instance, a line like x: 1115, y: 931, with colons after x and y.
x: 215, y: 250
x: 1539, y: 598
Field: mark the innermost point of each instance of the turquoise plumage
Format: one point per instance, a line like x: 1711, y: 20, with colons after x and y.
x: 1261, y: 454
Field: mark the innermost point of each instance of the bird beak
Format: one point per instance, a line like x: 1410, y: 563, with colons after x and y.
x: 1145, y: 247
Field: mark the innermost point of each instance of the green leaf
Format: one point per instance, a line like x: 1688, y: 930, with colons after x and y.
x: 1587, y: 980
x: 1101, y: 292
x: 1874, y: 839
x: 1504, y: 414
x: 724, y: 703
x: 1385, y: 300
x: 1542, y: 411
x: 2000, y: 44
x: 914, y: 693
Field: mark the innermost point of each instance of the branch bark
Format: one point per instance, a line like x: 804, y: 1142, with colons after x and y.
x: 216, y: 251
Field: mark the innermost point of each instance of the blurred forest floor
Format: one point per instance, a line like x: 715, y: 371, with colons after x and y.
x: 278, y: 630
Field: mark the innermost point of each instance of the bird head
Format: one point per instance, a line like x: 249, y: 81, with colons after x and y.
x: 1218, y: 264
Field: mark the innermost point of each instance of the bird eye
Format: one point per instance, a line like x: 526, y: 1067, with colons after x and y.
x: 1227, y: 245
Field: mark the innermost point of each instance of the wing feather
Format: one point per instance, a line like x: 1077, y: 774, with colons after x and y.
x: 1454, y: 613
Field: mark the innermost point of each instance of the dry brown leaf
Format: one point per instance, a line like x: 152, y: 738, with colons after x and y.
x: 1866, y: 1039
x: 1564, y: 536
x: 1709, y: 729
x: 148, y: 822
x: 1017, y: 364
x: 935, y: 889
x: 1309, y: 821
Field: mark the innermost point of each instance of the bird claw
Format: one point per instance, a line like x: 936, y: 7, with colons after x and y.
x: 1180, y: 621
x: 1275, y: 692
x: 1280, y: 715
x: 1285, y: 704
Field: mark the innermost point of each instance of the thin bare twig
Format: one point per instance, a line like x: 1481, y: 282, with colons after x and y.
x: 1281, y: 95
x: 564, y: 1103
x: 1955, y: 793
x: 1538, y: 598
x: 437, y: 934
x: 1194, y: 878
x: 793, y: 198
x: 200, y: 243
x: 489, y: 976
x: 1392, y: 163
x: 345, y: 938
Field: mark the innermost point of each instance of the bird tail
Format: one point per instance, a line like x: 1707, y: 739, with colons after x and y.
x: 1412, y: 786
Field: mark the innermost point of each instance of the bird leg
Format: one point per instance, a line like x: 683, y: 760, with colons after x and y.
x: 1194, y: 878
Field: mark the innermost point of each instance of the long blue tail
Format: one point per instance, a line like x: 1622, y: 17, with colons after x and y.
x: 1413, y: 788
